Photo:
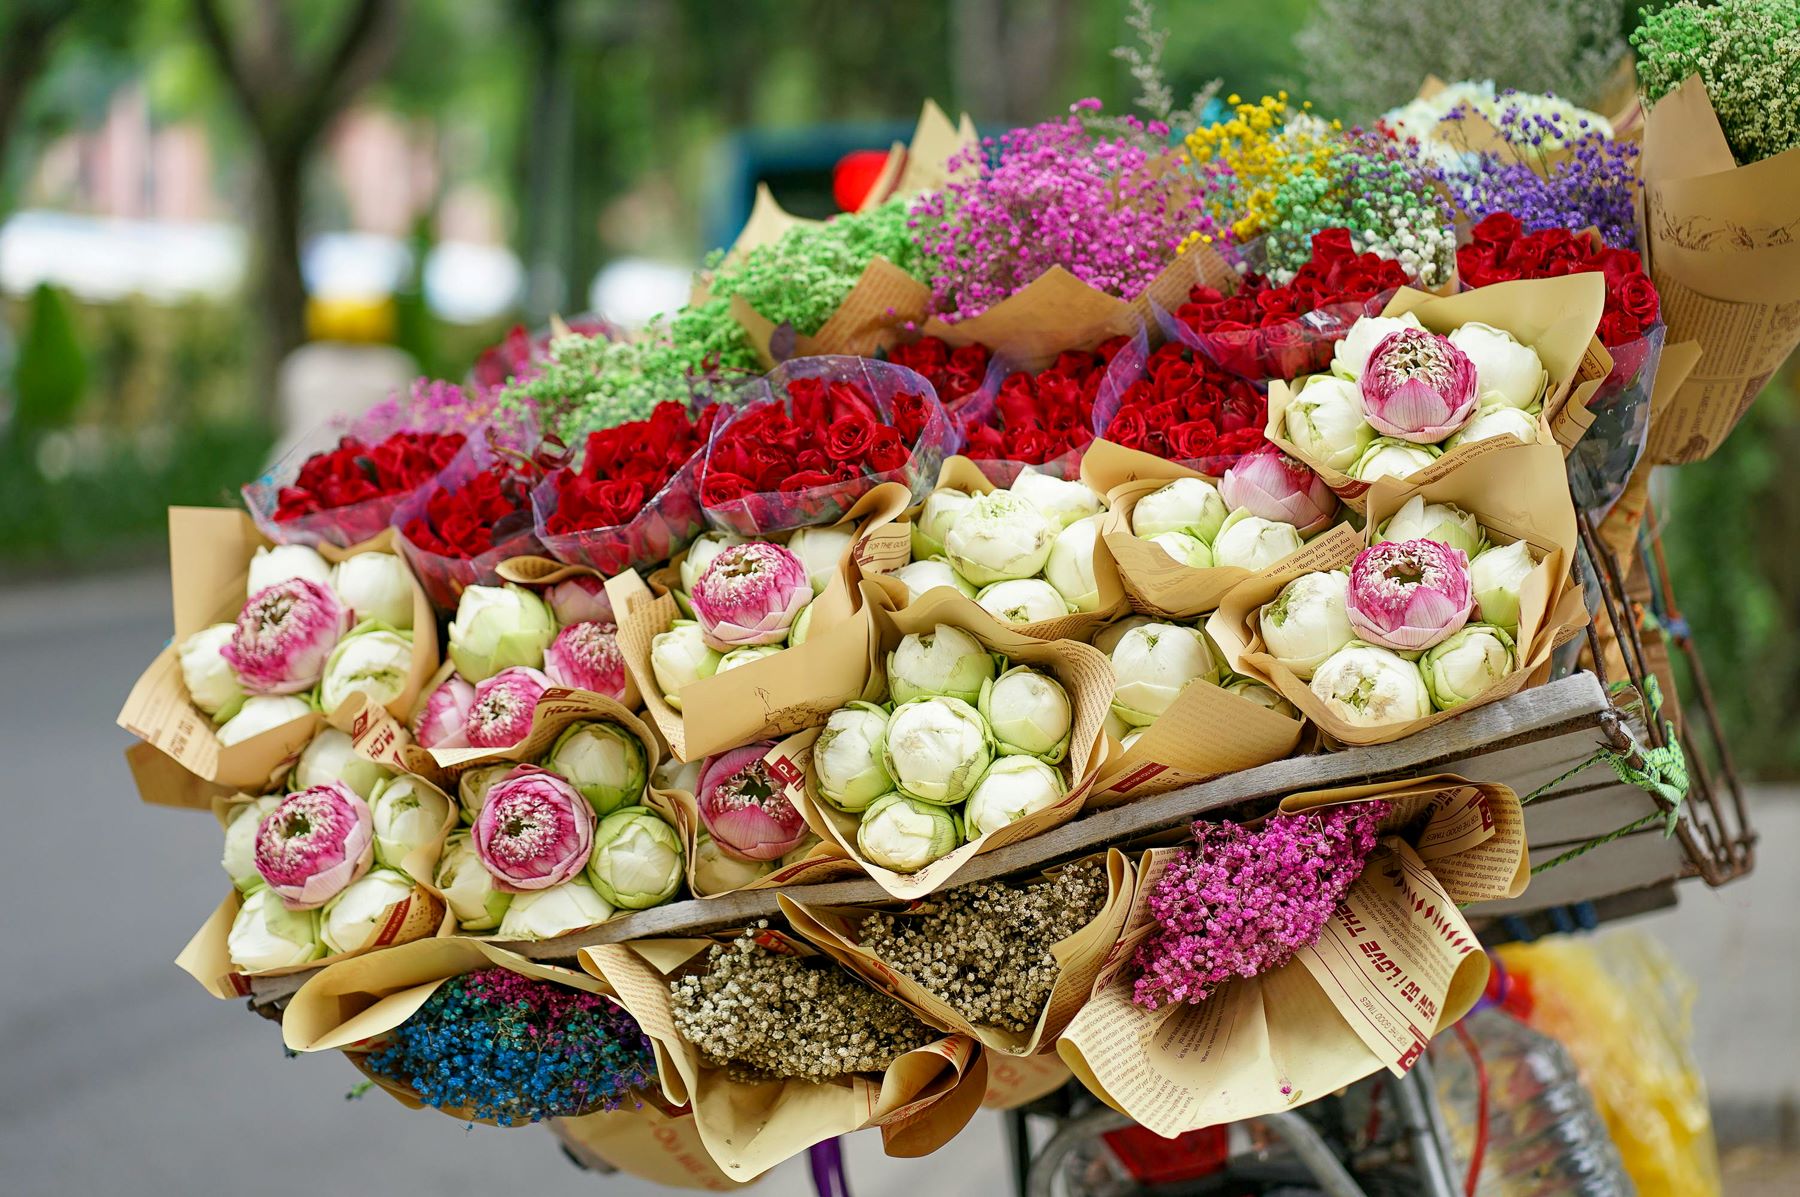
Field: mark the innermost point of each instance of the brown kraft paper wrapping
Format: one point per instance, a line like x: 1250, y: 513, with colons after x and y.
x: 834, y: 929
x: 1014, y: 1081
x: 920, y: 1103
x: 209, y: 556
x: 1520, y: 494
x: 420, y: 915
x: 1395, y: 965
x: 1556, y: 317
x: 1721, y: 248
x: 649, y: 1143
x: 1083, y: 672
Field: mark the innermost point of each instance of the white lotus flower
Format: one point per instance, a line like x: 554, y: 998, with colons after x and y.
x: 497, y: 627
x: 1490, y: 422
x: 1062, y: 502
x: 821, y: 550
x: 945, y: 660
x: 700, y: 554
x: 1387, y: 457
x: 846, y: 758
x: 271, y: 565
x: 717, y: 872
x: 680, y: 657
x: 999, y: 536
x: 940, y: 510
x: 1307, y: 622
x: 331, y: 756
x: 637, y: 860
x: 745, y: 654
x: 1325, y: 421
x: 267, y: 935
x: 468, y: 887
x: 936, y: 749
x: 261, y: 713
x: 1022, y: 601
x: 1013, y: 787
x: 905, y: 834
x: 473, y: 786
x: 1445, y: 523
x: 407, y: 814
x: 1252, y: 542
x: 239, y: 857
x: 211, y: 684
x: 376, y: 586
x: 1108, y: 637
x: 350, y: 920
x: 1154, y: 664
x: 548, y: 913
x: 1070, y: 567
x: 1029, y: 713
x: 1190, y: 505
x: 1350, y: 355
x: 1250, y: 689
x: 1185, y: 548
x: 674, y: 774
x: 372, y: 661
x: 919, y: 577
x: 1506, y: 372
x: 1496, y: 577
x: 1366, y: 685
x: 1467, y: 664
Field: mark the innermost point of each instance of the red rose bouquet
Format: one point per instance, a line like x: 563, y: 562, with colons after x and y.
x: 473, y: 516
x: 815, y: 435
x: 955, y: 373
x: 1045, y: 420
x: 1262, y: 330
x: 633, y: 496
x: 1187, y: 408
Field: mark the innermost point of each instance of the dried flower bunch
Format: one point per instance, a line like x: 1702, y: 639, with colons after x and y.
x: 985, y: 948
x: 763, y: 1014
x: 1744, y: 51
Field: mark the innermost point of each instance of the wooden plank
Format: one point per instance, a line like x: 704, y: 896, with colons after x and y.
x: 1634, y: 862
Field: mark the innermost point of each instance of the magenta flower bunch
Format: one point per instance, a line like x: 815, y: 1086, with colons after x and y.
x: 1241, y: 901
x: 1104, y: 208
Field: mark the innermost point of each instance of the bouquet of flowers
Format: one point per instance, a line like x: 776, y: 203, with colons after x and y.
x: 474, y: 515
x: 1186, y: 408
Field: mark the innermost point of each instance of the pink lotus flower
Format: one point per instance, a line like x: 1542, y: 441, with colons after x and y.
x: 750, y: 594
x: 1418, y: 387
x: 442, y: 719
x: 1273, y: 486
x: 586, y: 656
x: 284, y: 636
x: 501, y: 714
x: 1409, y: 594
x: 580, y: 599
x: 535, y: 831
x: 314, y: 844
x: 746, y: 811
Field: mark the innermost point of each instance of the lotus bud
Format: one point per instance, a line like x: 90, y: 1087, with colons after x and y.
x: 921, y: 576
x: 750, y: 594
x: 1191, y: 505
x: 1274, y: 486
x: 282, y: 563
x: 1184, y: 548
x: 586, y: 656
x: 718, y: 872
x: 936, y: 749
x: 1153, y: 665
x: 261, y: 713
x: 940, y: 510
x: 579, y: 599
x: 473, y: 786
x: 1490, y: 422
x: 1389, y: 458
x: 267, y: 935
x: 745, y: 809
x: 504, y: 705
x: 407, y: 815
x: 353, y: 918
x: 560, y: 910
x: 846, y: 758
x: 314, y: 843
x: 1254, y: 691
x: 331, y: 756
x: 1445, y: 523
x: 1496, y: 577
x: 1022, y: 601
x: 1108, y: 637
x: 468, y: 887
x: 498, y: 627
x: 1062, y: 502
x: 701, y: 553
x: 1418, y: 387
x: 371, y: 660
x: 997, y: 537
x: 1029, y: 713
x: 637, y: 859
x: 1015, y: 786
x: 1350, y: 355
x: 1116, y: 728
x: 1467, y: 664
x: 1251, y: 542
x: 376, y: 586
x: 674, y: 774
x: 745, y: 655
x: 680, y: 657
x: 239, y: 856
x: 799, y: 851
x: 1325, y: 421
x: 211, y: 684
x: 284, y: 635
x: 1366, y: 685
x: 534, y: 831
x: 945, y: 660
x: 905, y: 834
x: 602, y: 760
x: 821, y: 551
x: 442, y: 716
x: 1307, y: 621
x: 1070, y: 567
x: 1408, y: 594
x: 1506, y: 372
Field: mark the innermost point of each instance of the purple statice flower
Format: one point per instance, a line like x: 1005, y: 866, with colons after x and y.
x: 1242, y: 901
x: 499, y: 1045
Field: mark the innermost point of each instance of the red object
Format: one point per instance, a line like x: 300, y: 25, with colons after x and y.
x: 472, y: 519
x: 1042, y: 417
x: 954, y: 374
x: 855, y: 175
x: 355, y: 472
x: 1501, y: 250
x: 1188, y: 408
x: 1473, y: 1178
x: 1154, y: 1160
x: 827, y: 432
x: 625, y: 467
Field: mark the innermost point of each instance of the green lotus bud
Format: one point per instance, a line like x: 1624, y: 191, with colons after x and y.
x: 210, y: 682
x: 1185, y: 548
x: 940, y: 510
x: 936, y: 749
x: 1389, y: 457
x: 376, y: 586
x: 1022, y: 601
x: 905, y: 834
x: 473, y: 786
x: 602, y: 760
x: 1153, y: 664
x: 559, y: 910
x: 1251, y: 542
x: 799, y: 851
x: 265, y: 934
x: 1029, y: 714
x: 1496, y: 577
x: 700, y: 554
x: 407, y: 814
x: 846, y: 758
x: 1467, y: 664
x: 331, y: 756
x: 1445, y: 523
x: 718, y: 872
x: 673, y: 774
x: 997, y: 537
x: 1307, y: 622
x: 1108, y: 637
x: 1369, y: 686
x: 821, y: 550
x: 260, y: 713
x: 1070, y: 567
x: 372, y: 660
x: 798, y: 631
x: 468, y: 887
x: 1062, y: 502
x: 637, y: 859
x: 497, y: 627
x: 680, y: 657
x: 239, y: 857
x: 274, y: 565
x: 1253, y: 690
x: 350, y: 920
x: 1014, y: 787
x: 945, y: 660
x: 1190, y: 505
x: 745, y: 654
x: 921, y: 576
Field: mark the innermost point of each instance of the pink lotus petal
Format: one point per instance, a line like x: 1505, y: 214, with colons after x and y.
x: 443, y: 717
x: 534, y: 831
x: 504, y: 703
x: 314, y: 843
x: 1273, y: 486
x: 745, y: 808
x: 1409, y: 594
x: 1418, y: 386
x: 750, y: 594
x: 284, y: 636
x: 586, y: 656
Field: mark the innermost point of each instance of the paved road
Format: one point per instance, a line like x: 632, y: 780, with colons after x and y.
x: 119, y: 1076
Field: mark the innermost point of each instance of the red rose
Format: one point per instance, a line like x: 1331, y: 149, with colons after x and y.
x: 1127, y: 428
x: 886, y: 450
x: 719, y: 488
x: 1194, y: 438
x: 848, y: 437
x: 1332, y: 243
x: 1618, y: 328
x: 1527, y: 255
x: 1497, y: 227
x: 1031, y: 445
x: 1637, y: 298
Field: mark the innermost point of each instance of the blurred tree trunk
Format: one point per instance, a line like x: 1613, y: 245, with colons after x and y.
x: 545, y: 162
x: 288, y: 105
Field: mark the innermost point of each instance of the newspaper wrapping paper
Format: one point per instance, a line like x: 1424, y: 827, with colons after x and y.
x: 209, y: 557
x: 422, y: 914
x: 653, y: 1144
x: 1722, y: 249
x: 1520, y: 493
x: 834, y: 929
x: 1395, y: 965
x: 786, y: 691
x: 1081, y: 669
x: 1556, y: 317
x: 920, y: 1103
